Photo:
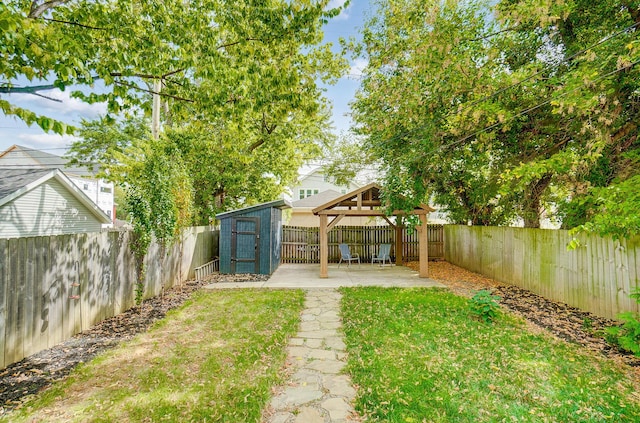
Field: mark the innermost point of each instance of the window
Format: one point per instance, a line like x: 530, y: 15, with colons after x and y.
x: 105, y: 189
x: 343, y: 191
x: 307, y: 193
x: 86, y: 187
x: 109, y: 213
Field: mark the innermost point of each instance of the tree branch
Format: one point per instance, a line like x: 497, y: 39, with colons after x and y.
x: 237, y: 42
x: 161, y: 94
x: 75, y: 24
x: 57, y: 100
x: 37, y: 10
x: 26, y: 90
x: 513, y: 28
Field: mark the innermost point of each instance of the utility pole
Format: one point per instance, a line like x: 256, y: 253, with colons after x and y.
x: 155, y: 111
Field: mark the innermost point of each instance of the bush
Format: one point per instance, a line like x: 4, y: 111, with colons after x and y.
x: 484, y: 305
x: 627, y: 335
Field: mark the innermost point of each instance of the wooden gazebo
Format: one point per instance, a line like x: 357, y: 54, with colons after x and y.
x: 365, y: 201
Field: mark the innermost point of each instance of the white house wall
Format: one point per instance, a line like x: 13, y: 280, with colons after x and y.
x: 316, y: 183
x: 99, y: 191
x: 49, y: 209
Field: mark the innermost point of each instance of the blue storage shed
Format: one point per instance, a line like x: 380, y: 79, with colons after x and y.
x: 251, y: 238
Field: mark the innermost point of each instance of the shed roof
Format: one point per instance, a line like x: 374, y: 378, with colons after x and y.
x: 16, y: 182
x: 277, y: 204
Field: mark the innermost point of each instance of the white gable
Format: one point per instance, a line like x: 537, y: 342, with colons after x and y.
x: 48, y: 209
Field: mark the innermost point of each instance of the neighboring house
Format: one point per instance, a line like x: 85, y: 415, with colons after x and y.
x: 316, y: 182
x: 41, y: 202
x: 315, y: 189
x: 302, y: 215
x: 99, y: 191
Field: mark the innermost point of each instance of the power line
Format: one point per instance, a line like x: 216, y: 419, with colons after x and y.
x: 573, y: 56
x: 544, y: 103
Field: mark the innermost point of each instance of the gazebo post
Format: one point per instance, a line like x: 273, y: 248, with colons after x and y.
x: 324, y: 247
x: 424, y: 246
x: 399, y: 243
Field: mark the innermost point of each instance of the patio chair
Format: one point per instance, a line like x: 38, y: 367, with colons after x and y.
x: 345, y: 254
x: 383, y: 254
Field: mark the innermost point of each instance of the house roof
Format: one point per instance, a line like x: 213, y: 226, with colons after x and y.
x: 363, y: 201
x: 316, y: 200
x: 278, y: 204
x: 16, y: 182
x: 41, y: 159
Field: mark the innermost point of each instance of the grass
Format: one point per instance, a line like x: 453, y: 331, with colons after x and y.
x: 215, y: 359
x: 418, y: 356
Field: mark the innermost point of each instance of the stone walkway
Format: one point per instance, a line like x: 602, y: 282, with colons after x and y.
x: 317, y: 392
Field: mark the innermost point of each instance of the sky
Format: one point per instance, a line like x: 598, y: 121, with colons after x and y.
x: 72, y: 111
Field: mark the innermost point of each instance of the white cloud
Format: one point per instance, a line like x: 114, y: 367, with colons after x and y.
x: 46, y: 141
x: 67, y: 106
x: 345, y: 13
x: 357, y: 67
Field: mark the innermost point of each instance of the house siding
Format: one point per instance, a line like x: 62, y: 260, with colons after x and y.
x: 316, y: 182
x: 49, y: 209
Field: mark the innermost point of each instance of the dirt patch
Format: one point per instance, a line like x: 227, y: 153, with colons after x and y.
x: 38, y: 371
x: 565, y: 322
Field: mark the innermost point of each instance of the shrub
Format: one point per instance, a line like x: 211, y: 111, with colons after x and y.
x: 484, y: 305
x: 627, y: 335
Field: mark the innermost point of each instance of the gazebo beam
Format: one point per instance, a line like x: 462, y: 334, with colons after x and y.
x: 333, y: 212
x: 393, y: 225
x: 334, y: 222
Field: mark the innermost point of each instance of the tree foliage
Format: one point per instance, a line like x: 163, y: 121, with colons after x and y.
x: 498, y: 110
x: 240, y: 104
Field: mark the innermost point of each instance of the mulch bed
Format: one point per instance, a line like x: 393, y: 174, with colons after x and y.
x: 33, y: 373
x: 40, y: 370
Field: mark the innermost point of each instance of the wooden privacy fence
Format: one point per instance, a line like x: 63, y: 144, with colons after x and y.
x: 54, y: 287
x: 596, y: 277
x: 302, y: 244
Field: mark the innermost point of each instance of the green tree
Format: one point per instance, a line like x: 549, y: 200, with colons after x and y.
x: 496, y: 108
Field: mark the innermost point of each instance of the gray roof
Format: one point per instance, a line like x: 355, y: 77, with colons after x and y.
x: 276, y: 204
x: 12, y: 180
x: 317, y: 200
x: 44, y: 160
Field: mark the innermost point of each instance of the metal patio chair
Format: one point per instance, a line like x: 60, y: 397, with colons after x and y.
x: 383, y: 255
x: 345, y: 254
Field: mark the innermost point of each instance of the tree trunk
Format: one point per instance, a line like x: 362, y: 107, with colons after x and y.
x: 532, y: 207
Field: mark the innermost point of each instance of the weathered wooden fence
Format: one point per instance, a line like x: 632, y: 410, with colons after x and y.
x: 56, y: 286
x: 302, y: 244
x: 596, y: 277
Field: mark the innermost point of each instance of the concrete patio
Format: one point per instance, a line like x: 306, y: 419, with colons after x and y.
x: 308, y: 276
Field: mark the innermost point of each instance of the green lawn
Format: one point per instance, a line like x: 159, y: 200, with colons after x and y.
x: 214, y: 359
x: 418, y: 356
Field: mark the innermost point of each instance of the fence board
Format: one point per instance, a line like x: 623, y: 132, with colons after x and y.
x: 54, y: 287
x: 302, y: 244
x: 3, y: 298
x: 596, y: 277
